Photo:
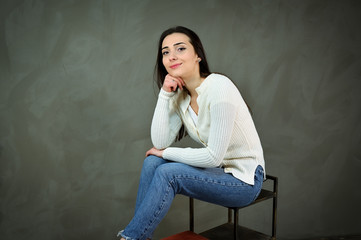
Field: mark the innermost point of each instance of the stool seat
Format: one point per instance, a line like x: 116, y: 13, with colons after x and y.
x: 224, y: 231
x: 239, y: 231
x: 187, y: 235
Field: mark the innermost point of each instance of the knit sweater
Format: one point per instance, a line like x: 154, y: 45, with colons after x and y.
x: 225, y: 129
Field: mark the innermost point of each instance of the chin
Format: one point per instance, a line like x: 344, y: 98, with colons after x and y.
x: 174, y: 73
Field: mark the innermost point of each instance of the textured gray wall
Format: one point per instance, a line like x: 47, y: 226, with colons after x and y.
x: 76, y: 101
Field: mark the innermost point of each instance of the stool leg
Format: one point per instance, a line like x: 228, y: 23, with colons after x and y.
x: 235, y: 225
x: 274, y: 218
x: 229, y: 215
x: 191, y: 214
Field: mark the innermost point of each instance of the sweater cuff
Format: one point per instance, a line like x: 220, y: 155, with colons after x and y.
x: 167, y: 154
x: 164, y: 155
x: 165, y: 95
x: 173, y: 153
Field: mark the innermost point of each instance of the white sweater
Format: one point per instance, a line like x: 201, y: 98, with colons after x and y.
x: 225, y: 128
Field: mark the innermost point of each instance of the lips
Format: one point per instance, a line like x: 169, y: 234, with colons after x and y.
x: 175, y: 65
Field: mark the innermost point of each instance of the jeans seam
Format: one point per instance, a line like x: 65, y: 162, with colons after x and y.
x: 156, y: 214
x: 241, y: 184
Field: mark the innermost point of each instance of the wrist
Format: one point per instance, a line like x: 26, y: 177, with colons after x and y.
x: 164, y: 93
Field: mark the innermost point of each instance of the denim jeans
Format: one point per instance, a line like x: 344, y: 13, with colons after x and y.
x: 161, y: 180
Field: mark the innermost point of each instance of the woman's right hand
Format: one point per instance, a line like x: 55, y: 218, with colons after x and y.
x: 171, y: 83
x: 155, y: 152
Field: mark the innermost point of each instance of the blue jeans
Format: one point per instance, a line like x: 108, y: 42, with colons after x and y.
x: 161, y: 180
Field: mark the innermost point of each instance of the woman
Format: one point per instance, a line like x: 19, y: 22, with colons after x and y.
x: 228, y: 170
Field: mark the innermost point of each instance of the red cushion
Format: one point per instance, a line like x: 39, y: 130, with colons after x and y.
x: 188, y: 235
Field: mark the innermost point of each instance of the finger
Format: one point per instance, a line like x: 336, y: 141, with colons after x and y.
x: 172, y: 85
x: 168, y: 82
x: 148, y: 152
x: 178, y: 82
x: 169, y: 78
x: 173, y: 82
x: 181, y: 81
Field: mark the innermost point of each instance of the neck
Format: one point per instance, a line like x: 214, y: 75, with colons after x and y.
x: 192, y: 84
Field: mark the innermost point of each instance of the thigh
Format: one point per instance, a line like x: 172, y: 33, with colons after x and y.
x: 209, y: 184
x: 152, y: 162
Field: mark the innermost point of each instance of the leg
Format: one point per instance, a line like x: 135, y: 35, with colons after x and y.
x: 150, y: 164
x: 155, y: 198
x: 214, y: 186
x: 211, y: 184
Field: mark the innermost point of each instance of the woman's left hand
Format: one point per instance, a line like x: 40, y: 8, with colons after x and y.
x: 154, y: 151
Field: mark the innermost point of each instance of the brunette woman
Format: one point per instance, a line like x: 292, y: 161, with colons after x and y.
x: 227, y: 170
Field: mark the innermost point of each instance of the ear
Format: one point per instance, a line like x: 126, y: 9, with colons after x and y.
x: 199, y: 59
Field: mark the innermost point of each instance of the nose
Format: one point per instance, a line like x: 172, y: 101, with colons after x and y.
x: 172, y: 56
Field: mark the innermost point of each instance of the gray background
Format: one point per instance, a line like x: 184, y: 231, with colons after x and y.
x: 77, y: 97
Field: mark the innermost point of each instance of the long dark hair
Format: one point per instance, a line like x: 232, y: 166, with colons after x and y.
x: 160, y: 72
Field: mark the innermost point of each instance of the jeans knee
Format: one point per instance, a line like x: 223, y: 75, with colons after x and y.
x: 171, y: 172
x: 165, y: 176
x: 167, y: 171
x: 152, y: 162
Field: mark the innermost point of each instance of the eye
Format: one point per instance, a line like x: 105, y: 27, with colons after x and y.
x: 180, y: 49
x: 165, y: 53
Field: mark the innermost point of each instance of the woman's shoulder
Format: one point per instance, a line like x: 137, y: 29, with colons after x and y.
x: 218, y: 76
x: 219, y: 81
x: 220, y: 88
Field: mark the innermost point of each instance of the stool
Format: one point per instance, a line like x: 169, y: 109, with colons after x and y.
x: 239, y: 232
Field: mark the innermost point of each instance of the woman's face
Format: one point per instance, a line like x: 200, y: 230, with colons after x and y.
x: 179, y: 57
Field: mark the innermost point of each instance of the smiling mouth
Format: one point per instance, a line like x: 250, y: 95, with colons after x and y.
x: 175, y: 65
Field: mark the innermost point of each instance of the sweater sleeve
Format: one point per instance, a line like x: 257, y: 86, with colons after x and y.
x: 222, y: 121
x: 166, y: 122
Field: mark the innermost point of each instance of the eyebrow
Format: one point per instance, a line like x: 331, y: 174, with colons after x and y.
x: 174, y: 45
